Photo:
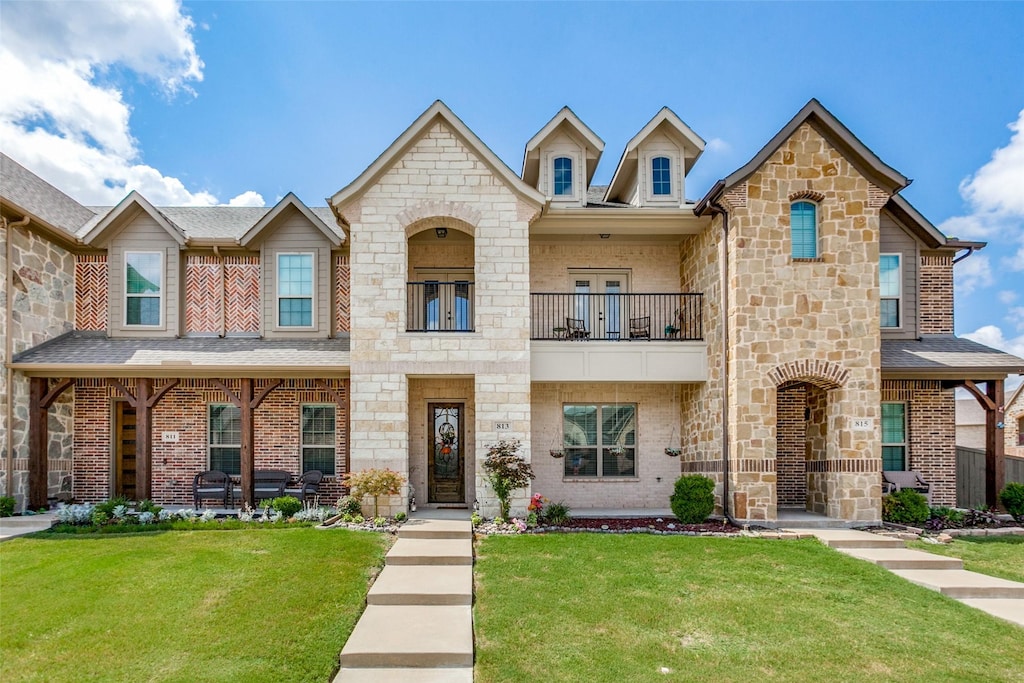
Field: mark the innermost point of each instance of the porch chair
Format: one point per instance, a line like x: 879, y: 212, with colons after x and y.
x: 307, y: 486
x: 266, y: 484
x: 895, y: 480
x: 210, y: 484
x: 640, y: 328
x: 576, y: 328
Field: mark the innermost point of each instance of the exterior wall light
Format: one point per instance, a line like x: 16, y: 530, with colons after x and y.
x: 604, y: 235
x: 441, y: 233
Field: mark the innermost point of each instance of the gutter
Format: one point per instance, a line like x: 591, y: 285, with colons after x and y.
x: 9, y: 344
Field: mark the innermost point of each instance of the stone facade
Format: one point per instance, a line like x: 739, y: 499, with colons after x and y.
x: 1013, y: 431
x: 43, y: 307
x: 784, y: 310
x: 439, y: 181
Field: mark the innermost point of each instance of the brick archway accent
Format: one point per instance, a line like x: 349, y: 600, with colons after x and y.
x: 820, y: 373
x: 812, y: 195
x: 430, y: 214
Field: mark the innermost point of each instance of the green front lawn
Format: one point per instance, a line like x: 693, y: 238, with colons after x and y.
x: 1001, y: 556
x: 583, y: 607
x: 252, y: 605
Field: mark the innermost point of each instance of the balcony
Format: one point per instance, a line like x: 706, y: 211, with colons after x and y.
x: 439, y: 306
x: 612, y: 336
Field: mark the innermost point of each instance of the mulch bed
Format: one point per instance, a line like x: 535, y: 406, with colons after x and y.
x: 665, y: 525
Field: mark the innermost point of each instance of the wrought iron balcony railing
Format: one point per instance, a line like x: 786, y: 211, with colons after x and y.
x: 616, y: 317
x: 439, y: 307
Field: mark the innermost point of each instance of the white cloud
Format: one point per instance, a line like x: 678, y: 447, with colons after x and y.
x: 717, y: 145
x: 63, y: 114
x: 972, y: 273
x: 247, y: 198
x: 1007, y: 296
x: 991, y: 335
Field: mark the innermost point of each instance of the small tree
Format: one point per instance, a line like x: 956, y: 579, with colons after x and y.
x: 374, y: 483
x: 1012, y: 498
x: 506, y: 471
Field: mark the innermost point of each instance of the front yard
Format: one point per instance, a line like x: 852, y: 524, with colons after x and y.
x: 1001, y: 556
x: 254, y: 605
x: 582, y: 607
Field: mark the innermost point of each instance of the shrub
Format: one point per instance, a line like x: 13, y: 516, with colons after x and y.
x: 6, y: 506
x: 506, y: 471
x: 476, y: 519
x: 350, y: 505
x: 556, y: 514
x: 374, y: 482
x: 400, y: 517
x: 380, y: 521
x: 693, y: 498
x: 287, y: 505
x: 1012, y: 498
x: 108, y: 507
x: 906, y: 506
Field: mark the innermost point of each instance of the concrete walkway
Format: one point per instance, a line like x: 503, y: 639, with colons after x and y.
x: 998, y: 597
x: 418, y: 623
x: 11, y: 527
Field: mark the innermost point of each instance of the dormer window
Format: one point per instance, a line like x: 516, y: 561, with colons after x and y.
x: 563, y: 176
x: 803, y: 217
x: 295, y: 290
x: 143, y: 276
x: 661, y: 176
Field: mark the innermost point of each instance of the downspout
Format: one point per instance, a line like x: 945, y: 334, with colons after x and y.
x: 9, y: 344
x: 223, y: 292
x: 724, y: 260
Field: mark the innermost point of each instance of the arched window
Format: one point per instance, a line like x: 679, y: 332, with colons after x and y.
x: 563, y: 176
x: 803, y: 222
x: 661, y: 176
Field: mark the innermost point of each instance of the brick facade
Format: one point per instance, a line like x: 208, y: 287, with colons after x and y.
x: 184, y: 410
x: 931, y: 432
x: 935, y: 308
x: 242, y: 294
x: 91, y: 284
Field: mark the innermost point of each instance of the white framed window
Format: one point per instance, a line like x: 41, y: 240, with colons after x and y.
x: 295, y: 284
x: 224, y: 437
x: 599, y: 440
x: 661, y: 176
x: 317, y: 438
x: 890, y: 282
x: 143, y: 288
x: 562, y: 176
x: 894, y: 436
x: 803, y: 229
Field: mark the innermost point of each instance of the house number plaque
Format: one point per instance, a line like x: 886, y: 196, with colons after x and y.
x: 169, y: 437
x: 862, y: 424
x: 502, y: 426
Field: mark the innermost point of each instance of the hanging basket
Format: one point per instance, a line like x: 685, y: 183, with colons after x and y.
x: 557, y: 453
x: 673, y: 452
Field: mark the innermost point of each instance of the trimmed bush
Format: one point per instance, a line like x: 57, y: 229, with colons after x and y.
x: 287, y: 505
x: 693, y: 499
x: 350, y: 505
x: 6, y: 506
x: 906, y: 506
x: 1012, y: 498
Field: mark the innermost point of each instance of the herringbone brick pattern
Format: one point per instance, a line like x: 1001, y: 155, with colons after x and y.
x: 242, y: 293
x: 91, y: 292
x: 203, y: 296
x: 342, y: 288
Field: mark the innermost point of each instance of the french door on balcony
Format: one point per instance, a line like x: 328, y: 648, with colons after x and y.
x: 598, y: 303
x: 447, y: 300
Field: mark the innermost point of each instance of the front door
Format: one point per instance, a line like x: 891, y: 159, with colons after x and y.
x: 124, y: 450
x: 599, y: 303
x: 446, y: 462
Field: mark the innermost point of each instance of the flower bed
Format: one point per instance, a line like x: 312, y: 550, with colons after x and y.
x: 616, y: 525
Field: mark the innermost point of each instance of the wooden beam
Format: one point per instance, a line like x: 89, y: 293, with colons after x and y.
x: 265, y: 392
x: 123, y: 390
x: 248, y: 451
x: 143, y: 438
x: 984, y: 400
x: 40, y: 397
x: 995, y: 462
x: 159, y: 393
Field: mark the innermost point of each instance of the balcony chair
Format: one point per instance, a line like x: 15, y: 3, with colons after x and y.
x: 307, y: 487
x: 576, y: 328
x: 895, y: 480
x: 640, y: 328
x: 210, y: 484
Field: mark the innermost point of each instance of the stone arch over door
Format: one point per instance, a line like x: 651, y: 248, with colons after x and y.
x: 440, y: 268
x: 803, y: 391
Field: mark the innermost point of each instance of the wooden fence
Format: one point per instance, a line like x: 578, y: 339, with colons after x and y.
x: 970, y: 475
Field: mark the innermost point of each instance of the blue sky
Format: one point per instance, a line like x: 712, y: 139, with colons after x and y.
x: 214, y: 102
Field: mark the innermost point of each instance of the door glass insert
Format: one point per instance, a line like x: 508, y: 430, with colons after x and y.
x: 446, y: 465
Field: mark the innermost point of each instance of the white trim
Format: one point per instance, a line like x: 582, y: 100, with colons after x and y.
x: 312, y: 295
x: 599, y: 447
x: 210, y: 446
x: 905, y: 444
x: 303, y: 446
x: 817, y: 229
x: 898, y: 297
x: 125, y: 294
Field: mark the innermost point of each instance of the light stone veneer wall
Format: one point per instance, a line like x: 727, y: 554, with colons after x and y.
x: 654, y: 267
x: 824, y: 313
x: 657, y: 428
x: 43, y: 308
x: 1012, y: 421
x: 438, y: 181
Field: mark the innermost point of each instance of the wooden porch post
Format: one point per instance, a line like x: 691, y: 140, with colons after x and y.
x: 995, y: 463
x: 40, y: 398
x: 246, y: 403
x: 143, y: 401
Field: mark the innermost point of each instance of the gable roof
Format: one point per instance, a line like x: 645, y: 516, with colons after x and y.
x: 838, y: 135
x: 28, y: 194
x: 565, y: 118
x: 438, y: 111
x: 1018, y: 394
x: 124, y: 210
x: 289, y: 201
x: 692, y: 144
